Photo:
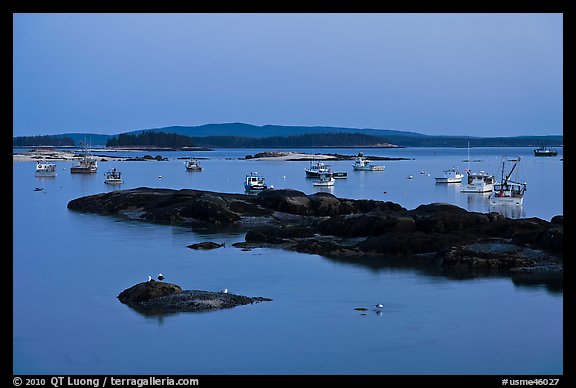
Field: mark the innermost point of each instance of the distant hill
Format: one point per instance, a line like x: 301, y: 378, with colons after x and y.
x: 247, y: 135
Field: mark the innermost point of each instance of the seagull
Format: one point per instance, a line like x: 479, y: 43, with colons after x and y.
x: 225, y: 291
x: 150, y: 279
x: 380, y: 305
x: 160, y: 276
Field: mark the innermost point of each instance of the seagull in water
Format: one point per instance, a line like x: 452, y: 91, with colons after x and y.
x: 379, y: 305
x: 160, y: 276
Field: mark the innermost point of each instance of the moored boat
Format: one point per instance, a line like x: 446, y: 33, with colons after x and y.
x: 508, y: 191
x: 363, y: 164
x: 193, y: 165
x: 87, y: 163
x: 340, y: 174
x: 45, y: 169
x: 324, y: 180
x: 255, y: 182
x: 113, y: 177
x: 478, y: 182
x: 545, y: 151
x: 317, y: 168
x: 450, y: 176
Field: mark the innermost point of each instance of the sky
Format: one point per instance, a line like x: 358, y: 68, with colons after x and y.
x: 479, y: 74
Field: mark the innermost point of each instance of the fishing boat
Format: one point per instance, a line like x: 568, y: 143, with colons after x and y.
x: 362, y: 164
x: 45, y: 169
x: 87, y: 163
x: 450, y: 176
x: 478, y: 182
x: 255, y: 182
x: 340, y: 174
x: 113, y: 177
x: 324, y: 180
x: 545, y: 151
x: 508, y: 191
x: 193, y: 165
x: 316, y: 169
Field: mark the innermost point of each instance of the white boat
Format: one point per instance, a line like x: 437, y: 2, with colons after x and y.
x: 113, y: 177
x: 316, y: 169
x: 508, y: 191
x: 255, y: 182
x: 449, y: 176
x: 324, y: 180
x: 45, y: 169
x: 193, y: 165
x: 478, y: 182
x: 87, y: 163
x: 362, y: 164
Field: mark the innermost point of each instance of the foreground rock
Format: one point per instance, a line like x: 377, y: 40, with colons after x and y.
x: 438, y: 234
x: 159, y: 298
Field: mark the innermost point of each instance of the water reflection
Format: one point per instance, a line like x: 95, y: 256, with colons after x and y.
x: 477, y: 202
x: 424, y: 266
x: 509, y: 211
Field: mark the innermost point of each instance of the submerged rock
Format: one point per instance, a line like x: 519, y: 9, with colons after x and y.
x: 159, y: 298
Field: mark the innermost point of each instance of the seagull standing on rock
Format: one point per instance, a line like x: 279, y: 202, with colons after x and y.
x: 160, y: 277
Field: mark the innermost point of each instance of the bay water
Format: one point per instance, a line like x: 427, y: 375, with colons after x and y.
x: 69, y: 267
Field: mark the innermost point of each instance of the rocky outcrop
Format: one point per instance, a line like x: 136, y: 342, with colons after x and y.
x: 438, y: 234
x: 205, y: 245
x: 159, y: 298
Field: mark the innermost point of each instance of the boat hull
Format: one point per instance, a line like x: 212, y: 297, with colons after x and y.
x: 477, y: 188
x: 113, y: 181
x: 449, y: 180
x: 368, y: 168
x: 255, y: 188
x: 83, y: 170
x: 504, y: 201
x: 327, y: 183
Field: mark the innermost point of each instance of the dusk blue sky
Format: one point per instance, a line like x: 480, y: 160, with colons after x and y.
x: 484, y: 74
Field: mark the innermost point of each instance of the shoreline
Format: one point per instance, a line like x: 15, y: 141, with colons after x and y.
x: 46, y: 154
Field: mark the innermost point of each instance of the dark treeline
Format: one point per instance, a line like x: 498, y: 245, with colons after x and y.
x: 151, y: 138
x: 42, y: 140
x: 460, y: 141
x: 295, y: 141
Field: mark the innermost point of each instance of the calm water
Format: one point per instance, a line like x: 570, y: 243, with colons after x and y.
x: 69, y: 268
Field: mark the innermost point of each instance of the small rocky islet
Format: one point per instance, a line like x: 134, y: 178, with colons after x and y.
x: 440, y: 235
x: 160, y: 298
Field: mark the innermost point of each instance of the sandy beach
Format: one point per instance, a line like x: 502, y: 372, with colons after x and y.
x: 52, y: 155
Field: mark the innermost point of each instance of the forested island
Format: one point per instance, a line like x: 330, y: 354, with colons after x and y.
x: 43, y: 140
x: 241, y: 135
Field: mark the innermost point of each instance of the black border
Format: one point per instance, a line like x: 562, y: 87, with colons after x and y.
x: 9, y: 7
